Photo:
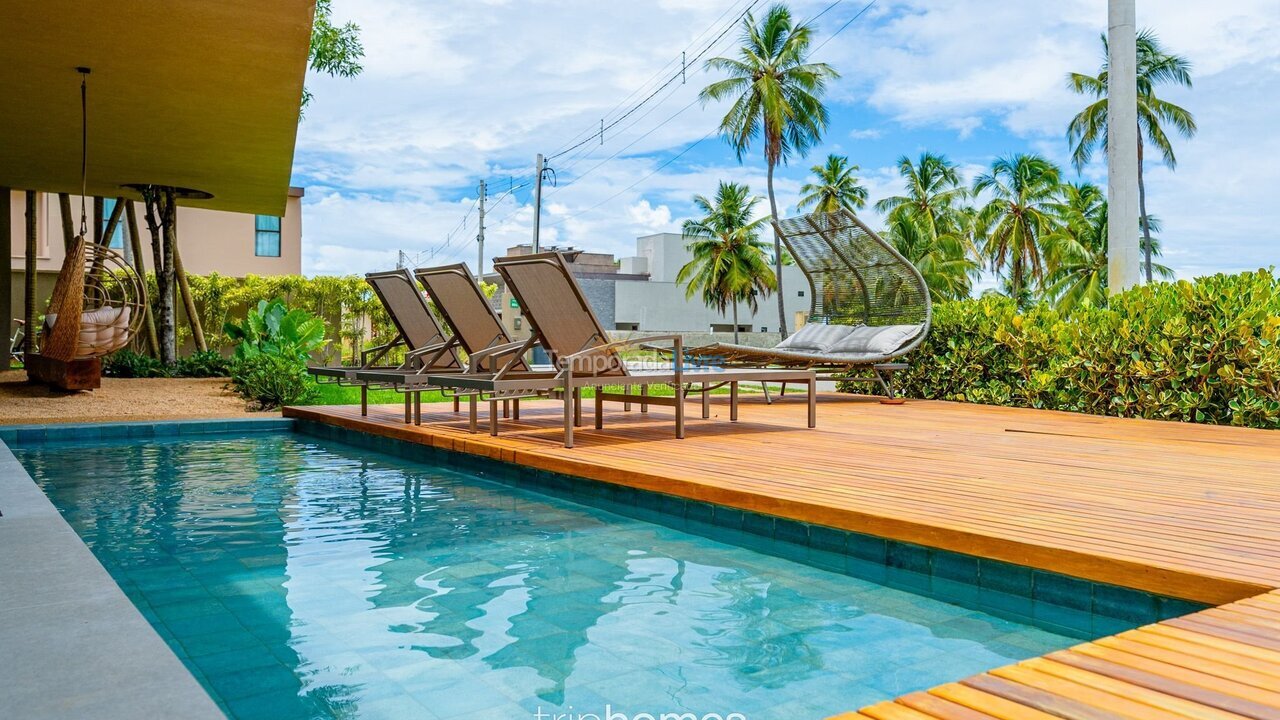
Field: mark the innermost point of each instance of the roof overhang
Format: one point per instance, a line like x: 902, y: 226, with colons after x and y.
x: 186, y: 93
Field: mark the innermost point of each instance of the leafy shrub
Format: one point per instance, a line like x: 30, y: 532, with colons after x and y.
x: 269, y: 367
x: 268, y: 381
x: 271, y: 328
x: 202, y: 364
x: 129, y: 364
x: 1203, y: 352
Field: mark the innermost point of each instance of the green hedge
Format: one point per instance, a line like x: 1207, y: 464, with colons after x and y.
x: 1202, y: 352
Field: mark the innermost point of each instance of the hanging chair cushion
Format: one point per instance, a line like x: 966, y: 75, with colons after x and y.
x: 102, y: 331
x: 816, y: 336
x: 875, y: 339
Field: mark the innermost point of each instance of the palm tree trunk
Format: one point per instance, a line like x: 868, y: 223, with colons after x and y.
x: 735, y: 322
x: 1142, y: 213
x: 777, y: 257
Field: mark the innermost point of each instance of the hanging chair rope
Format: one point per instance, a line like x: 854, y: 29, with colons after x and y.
x: 84, y: 148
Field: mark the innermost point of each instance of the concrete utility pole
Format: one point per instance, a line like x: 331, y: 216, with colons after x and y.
x: 480, y: 238
x: 537, y: 200
x: 1123, y: 269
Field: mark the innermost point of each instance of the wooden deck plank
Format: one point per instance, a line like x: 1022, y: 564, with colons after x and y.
x: 1175, y: 509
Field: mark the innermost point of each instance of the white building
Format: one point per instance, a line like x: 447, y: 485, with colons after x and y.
x: 659, y: 303
x: 640, y: 293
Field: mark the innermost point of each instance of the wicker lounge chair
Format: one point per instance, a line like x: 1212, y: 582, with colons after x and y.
x: 429, y: 347
x: 562, y: 321
x: 869, y: 305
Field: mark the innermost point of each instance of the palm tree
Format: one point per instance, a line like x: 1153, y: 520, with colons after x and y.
x: 729, y: 264
x: 934, y: 192
x: 837, y: 188
x: 1076, y: 252
x: 1088, y: 129
x: 1023, y: 189
x: 945, y: 261
x: 777, y: 95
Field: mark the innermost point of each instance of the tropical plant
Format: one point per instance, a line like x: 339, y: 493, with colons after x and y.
x: 1076, y: 251
x: 268, y: 381
x: 836, y: 187
x: 1022, y: 190
x: 945, y: 261
x: 777, y: 96
x: 1088, y: 129
x: 128, y: 364
x: 729, y: 265
x: 934, y: 198
x: 1206, y: 351
x: 271, y: 328
x: 202, y: 364
x: 335, y: 49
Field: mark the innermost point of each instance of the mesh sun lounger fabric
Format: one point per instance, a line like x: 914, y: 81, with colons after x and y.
x: 412, y: 318
x: 465, y: 307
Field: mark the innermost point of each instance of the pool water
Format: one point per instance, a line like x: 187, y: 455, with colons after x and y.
x: 302, y: 578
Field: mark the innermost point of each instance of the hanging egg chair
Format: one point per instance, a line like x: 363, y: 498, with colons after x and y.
x: 97, y: 308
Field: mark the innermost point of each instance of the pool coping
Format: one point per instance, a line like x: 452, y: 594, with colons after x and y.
x: 106, y: 661
x: 543, y: 481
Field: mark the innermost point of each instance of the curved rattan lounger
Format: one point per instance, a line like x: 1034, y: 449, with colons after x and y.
x: 858, y: 284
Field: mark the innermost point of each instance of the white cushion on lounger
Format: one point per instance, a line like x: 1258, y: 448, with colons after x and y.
x: 816, y: 336
x: 876, y: 339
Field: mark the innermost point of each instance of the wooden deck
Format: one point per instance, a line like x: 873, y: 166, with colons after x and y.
x: 1181, y: 510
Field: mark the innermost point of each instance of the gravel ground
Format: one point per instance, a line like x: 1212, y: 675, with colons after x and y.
x: 118, y: 399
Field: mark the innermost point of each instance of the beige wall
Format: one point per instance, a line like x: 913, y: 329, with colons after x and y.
x: 210, y: 240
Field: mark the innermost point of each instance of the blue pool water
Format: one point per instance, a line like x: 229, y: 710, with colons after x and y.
x: 302, y: 578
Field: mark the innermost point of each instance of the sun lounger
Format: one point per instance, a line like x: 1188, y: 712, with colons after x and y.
x: 563, y: 322
x: 869, y: 305
x: 428, y: 346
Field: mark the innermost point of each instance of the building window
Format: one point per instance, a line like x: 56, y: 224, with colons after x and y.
x: 266, y: 236
x: 117, y: 237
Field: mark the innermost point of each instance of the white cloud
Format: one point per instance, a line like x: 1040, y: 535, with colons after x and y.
x: 458, y: 91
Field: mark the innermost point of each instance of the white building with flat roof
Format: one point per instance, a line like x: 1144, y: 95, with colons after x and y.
x: 640, y: 293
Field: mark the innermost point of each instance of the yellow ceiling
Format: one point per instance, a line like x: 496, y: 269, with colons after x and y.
x: 200, y: 94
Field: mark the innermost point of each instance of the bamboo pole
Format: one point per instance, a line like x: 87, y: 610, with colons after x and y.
x: 188, y: 302
x: 135, y: 242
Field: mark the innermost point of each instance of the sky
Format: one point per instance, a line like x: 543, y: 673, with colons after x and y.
x: 453, y: 93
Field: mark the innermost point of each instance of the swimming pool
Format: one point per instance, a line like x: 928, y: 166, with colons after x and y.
x: 301, y: 577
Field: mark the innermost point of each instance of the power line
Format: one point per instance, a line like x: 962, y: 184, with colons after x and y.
x: 655, y: 171
x: 675, y: 157
x: 676, y: 76
x: 591, y: 132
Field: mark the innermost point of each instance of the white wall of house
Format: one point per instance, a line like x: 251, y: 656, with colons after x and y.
x: 661, y: 304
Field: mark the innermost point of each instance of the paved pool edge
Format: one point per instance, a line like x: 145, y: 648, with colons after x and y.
x: 74, y: 645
